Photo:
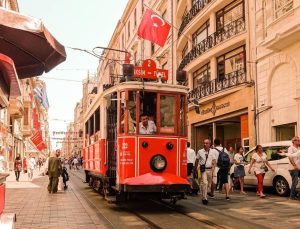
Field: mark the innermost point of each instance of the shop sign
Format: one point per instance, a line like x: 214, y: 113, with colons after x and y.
x: 214, y: 108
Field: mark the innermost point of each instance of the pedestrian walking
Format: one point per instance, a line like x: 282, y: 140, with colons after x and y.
x: 294, y: 166
x: 65, y: 177
x: 191, y: 157
x: 31, y: 166
x: 54, y: 171
x: 207, y: 162
x: 223, y: 166
x: 24, y: 164
x: 239, y: 169
x: 2, y: 160
x: 18, y: 166
x: 260, y: 164
x: 75, y: 163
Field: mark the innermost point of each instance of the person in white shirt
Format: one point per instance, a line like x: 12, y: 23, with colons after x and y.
x: 191, y: 157
x: 220, y: 173
x: 31, y: 166
x: 146, y: 126
x: 208, y: 160
x: 239, y: 169
x: 294, y: 167
x: 259, y: 162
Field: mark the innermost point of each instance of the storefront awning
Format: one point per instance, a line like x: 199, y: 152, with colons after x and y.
x: 8, y: 71
x: 26, y: 40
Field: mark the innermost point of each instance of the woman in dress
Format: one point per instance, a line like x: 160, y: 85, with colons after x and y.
x: 18, y: 166
x: 239, y: 169
x: 259, y: 162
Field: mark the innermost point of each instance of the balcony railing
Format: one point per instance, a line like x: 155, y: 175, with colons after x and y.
x: 214, y: 39
x: 231, y: 80
x: 196, y: 8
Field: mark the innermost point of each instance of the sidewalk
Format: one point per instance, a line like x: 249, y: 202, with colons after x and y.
x: 36, y: 208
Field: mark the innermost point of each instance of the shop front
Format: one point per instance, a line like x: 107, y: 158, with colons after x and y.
x: 228, y: 118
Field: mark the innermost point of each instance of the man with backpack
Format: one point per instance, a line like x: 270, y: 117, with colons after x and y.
x: 223, y: 166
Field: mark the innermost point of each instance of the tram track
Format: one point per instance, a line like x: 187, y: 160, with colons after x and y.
x: 205, y: 221
x: 155, y: 210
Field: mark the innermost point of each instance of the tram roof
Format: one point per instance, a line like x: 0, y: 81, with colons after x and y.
x: 135, y: 85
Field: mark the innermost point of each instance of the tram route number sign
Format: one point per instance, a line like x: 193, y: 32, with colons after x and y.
x: 148, y: 70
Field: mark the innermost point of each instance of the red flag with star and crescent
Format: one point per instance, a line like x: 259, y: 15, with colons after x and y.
x: 154, y: 28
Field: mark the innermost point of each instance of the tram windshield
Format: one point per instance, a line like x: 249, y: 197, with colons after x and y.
x: 148, y: 112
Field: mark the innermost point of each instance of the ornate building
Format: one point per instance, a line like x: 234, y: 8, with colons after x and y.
x: 278, y: 69
x: 214, y: 48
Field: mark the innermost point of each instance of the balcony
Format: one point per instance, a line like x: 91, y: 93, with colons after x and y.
x: 232, y: 79
x: 16, y: 108
x: 214, y: 39
x: 196, y: 8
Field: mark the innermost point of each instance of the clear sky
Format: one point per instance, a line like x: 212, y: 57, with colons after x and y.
x: 74, y: 23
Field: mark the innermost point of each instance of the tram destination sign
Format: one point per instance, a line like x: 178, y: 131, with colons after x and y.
x: 148, y: 70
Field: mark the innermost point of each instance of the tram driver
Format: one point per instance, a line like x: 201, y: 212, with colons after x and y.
x: 146, y: 126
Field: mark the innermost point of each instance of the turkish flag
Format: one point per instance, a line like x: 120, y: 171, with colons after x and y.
x: 154, y: 28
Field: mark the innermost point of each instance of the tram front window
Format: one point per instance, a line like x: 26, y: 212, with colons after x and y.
x: 147, y: 112
x: 167, y: 112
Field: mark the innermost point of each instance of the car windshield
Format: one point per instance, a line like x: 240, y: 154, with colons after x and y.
x: 271, y: 151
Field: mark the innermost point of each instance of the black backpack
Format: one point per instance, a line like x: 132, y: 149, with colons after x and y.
x: 223, y: 159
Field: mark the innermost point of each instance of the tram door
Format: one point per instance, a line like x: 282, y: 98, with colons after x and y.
x: 112, y: 135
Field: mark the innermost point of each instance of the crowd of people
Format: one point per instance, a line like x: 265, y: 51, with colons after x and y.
x: 209, y: 168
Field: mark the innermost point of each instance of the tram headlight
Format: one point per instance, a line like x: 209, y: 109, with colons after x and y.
x: 158, y: 163
x: 169, y: 145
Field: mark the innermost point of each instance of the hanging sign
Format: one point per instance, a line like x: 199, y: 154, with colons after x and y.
x: 148, y: 70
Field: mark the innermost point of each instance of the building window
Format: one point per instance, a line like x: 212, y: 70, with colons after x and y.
x: 184, y: 50
x: 285, y: 132
x: 26, y: 116
x: 230, y: 13
x: 134, y: 18
x: 200, y: 34
x: 202, y: 75
x: 152, y: 48
x: 231, y: 62
x: 281, y: 7
x: 128, y: 29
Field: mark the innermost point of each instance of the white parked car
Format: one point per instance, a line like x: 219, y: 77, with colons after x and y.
x: 281, y: 179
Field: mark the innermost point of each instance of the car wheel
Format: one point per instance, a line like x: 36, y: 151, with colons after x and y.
x: 281, y: 186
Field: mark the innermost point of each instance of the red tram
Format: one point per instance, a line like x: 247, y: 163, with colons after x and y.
x: 120, y: 157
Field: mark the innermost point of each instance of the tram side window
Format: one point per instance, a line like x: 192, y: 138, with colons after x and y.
x: 122, y: 113
x: 167, y: 113
x: 182, y: 115
x: 147, y: 123
x: 131, y: 106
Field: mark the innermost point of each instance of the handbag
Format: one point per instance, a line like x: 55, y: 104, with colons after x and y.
x: 202, y: 167
x: 265, y: 168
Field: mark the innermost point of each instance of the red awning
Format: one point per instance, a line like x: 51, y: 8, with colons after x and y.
x: 7, y: 67
x: 28, y: 42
